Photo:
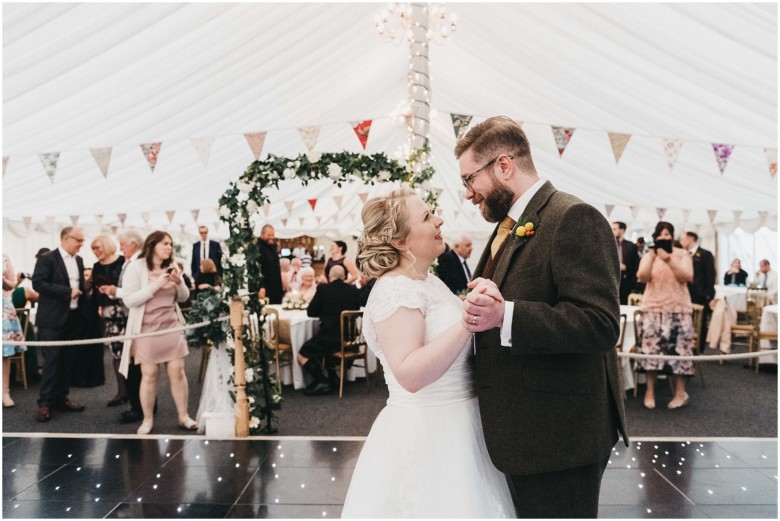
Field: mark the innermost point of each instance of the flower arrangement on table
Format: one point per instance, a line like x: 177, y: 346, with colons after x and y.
x: 294, y: 300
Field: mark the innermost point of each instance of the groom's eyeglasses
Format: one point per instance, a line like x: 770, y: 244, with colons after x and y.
x: 470, y: 177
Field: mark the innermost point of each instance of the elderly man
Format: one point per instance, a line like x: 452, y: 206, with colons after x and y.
x: 453, y: 269
x: 59, y: 279
x: 130, y: 242
x: 766, y: 278
x: 328, y: 303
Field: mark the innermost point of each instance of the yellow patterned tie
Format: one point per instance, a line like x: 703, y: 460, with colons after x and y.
x: 503, y: 232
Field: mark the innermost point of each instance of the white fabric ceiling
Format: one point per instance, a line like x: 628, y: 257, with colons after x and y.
x: 83, y: 76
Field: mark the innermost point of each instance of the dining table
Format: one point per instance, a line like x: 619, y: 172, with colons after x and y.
x: 295, y: 328
x: 735, y: 295
x: 768, y: 324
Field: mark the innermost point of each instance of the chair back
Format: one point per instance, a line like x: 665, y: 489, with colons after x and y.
x: 634, y: 299
x: 638, y: 328
x: 622, y: 337
x: 23, y: 314
x: 352, y: 332
x: 697, y: 317
x: 271, y: 327
x: 758, y: 296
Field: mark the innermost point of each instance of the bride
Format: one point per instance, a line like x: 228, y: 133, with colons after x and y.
x: 425, y: 455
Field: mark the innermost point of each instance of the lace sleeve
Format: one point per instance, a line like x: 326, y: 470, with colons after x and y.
x: 395, y: 293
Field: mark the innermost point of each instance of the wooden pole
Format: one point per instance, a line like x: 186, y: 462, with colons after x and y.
x: 242, y: 405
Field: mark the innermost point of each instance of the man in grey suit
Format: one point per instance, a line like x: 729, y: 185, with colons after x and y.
x: 545, y: 311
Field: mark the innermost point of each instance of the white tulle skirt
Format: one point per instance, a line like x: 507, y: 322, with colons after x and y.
x: 215, y: 394
x: 427, y: 462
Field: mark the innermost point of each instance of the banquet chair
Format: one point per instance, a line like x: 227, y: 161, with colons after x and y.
x: 744, y: 334
x: 204, y: 360
x: 765, y: 335
x: 283, y: 353
x: 622, y: 337
x: 634, y: 299
x: 23, y: 314
x: 759, y: 296
x: 353, y: 345
x: 637, y: 343
x: 697, y: 317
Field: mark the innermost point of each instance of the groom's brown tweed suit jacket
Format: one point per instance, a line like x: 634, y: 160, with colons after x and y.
x: 554, y: 400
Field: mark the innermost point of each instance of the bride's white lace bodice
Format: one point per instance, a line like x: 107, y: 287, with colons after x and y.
x: 441, y: 309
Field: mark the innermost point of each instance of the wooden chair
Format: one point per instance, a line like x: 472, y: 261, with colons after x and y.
x: 759, y: 296
x: 204, y: 360
x: 23, y: 314
x: 769, y: 335
x: 637, y: 343
x: 745, y: 334
x: 622, y: 337
x: 283, y: 353
x: 353, y: 345
x: 634, y: 299
x: 697, y: 317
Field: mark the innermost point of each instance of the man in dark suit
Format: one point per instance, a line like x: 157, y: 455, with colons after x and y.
x: 328, y: 303
x: 702, y: 289
x: 59, y: 280
x: 546, y: 316
x: 453, y: 270
x: 205, y: 249
x: 271, y: 287
x: 628, y: 259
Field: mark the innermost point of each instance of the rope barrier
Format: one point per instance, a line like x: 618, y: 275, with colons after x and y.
x: 698, y: 358
x: 109, y: 339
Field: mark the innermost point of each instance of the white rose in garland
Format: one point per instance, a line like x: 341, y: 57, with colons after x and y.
x: 237, y: 259
x: 243, y: 187
x: 254, y: 423
x: 252, y: 207
x: 314, y: 156
x: 273, y: 175
x: 384, y: 175
x: 289, y: 173
x: 249, y: 373
x: 334, y: 171
x: 224, y: 212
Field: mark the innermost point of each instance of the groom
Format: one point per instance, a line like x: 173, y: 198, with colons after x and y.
x: 546, y: 313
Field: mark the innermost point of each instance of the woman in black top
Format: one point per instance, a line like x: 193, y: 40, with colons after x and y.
x: 735, y: 275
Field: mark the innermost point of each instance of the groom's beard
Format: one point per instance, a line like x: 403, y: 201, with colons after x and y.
x: 497, y: 202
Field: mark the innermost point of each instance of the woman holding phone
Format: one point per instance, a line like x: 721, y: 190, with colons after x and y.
x: 667, y: 325
x: 154, y: 285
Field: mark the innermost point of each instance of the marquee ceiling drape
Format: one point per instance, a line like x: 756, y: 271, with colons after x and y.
x: 78, y: 77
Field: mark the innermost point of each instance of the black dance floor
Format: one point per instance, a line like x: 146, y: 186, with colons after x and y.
x: 190, y: 477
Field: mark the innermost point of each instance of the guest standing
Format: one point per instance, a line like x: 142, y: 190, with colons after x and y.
x: 667, y: 325
x: 59, y: 279
x: 12, y: 330
x: 454, y: 271
x: 702, y: 286
x: 628, y: 259
x: 153, y: 285
x: 736, y: 275
x: 88, y: 370
x: 113, y: 315
x: 205, y: 249
x: 294, y: 274
x: 271, y: 287
x: 337, y: 251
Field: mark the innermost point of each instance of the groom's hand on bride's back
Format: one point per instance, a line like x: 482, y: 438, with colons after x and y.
x: 484, y: 302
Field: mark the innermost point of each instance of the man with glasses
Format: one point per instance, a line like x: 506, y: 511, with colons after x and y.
x: 544, y: 307
x: 59, y: 279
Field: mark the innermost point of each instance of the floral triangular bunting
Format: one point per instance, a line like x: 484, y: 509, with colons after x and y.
x: 170, y: 214
x: 49, y: 162
x: 361, y: 129
x: 562, y: 137
x: 460, y: 124
x: 256, y: 141
x: 722, y: 154
x: 203, y: 147
x: 672, y: 149
x: 151, y: 151
x: 309, y: 136
x: 771, y: 157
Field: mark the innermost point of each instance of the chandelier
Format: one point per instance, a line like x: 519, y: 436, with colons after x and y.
x: 396, y: 23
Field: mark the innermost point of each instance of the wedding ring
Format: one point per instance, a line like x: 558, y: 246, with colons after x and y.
x: 474, y: 319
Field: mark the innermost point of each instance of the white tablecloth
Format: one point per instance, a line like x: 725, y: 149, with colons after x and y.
x: 302, y: 328
x: 628, y: 343
x: 768, y: 324
x: 735, y: 295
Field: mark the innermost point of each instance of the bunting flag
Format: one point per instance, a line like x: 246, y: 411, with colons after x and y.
x: 436, y: 192
x: 771, y: 157
x: 102, y: 158
x: 256, y: 141
x: 170, y: 214
x: 763, y: 215
x: 462, y: 196
x: 114, y: 228
x: 312, y: 203
x: 182, y: 226
x: 151, y: 151
x: 203, y: 147
x: 609, y: 208
x: 266, y: 208
x: 618, y: 142
x: 338, y: 199
x: 439, y: 212
x: 74, y: 220
x: 5, y: 164
x: 672, y: 150
x: 361, y: 129
x: 737, y: 215
x: 122, y: 218
x: 309, y: 136
x: 456, y: 213
x: 722, y: 154
x: 460, y: 124
x: 99, y: 218
x: 562, y: 137
x: 634, y: 211
x: 28, y: 220
x: 319, y: 220
x: 195, y: 214
x: 49, y: 162
x: 145, y: 217
x: 284, y: 223
x: 289, y: 206
x: 300, y: 222
x: 712, y: 214
x: 661, y: 212
x: 686, y: 213
x: 363, y: 196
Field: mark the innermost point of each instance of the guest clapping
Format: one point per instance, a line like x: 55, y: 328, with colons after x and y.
x: 294, y: 274
x: 153, y: 285
x: 736, y: 275
x: 667, y: 325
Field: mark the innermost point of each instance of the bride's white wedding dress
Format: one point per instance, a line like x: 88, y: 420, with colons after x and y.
x: 425, y: 455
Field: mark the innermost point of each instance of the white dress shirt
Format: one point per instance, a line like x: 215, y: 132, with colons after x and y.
x: 73, y: 274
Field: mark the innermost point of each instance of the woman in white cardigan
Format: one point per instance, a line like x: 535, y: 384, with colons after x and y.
x: 153, y: 286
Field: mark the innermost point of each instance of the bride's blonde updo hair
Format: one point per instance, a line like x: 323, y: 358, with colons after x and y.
x: 385, y: 219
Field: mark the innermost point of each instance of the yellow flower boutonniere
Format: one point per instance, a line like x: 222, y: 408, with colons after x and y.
x: 524, y: 230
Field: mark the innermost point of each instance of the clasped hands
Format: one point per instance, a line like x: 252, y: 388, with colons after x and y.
x: 483, y: 308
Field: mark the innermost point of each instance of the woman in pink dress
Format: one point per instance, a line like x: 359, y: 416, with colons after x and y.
x: 154, y: 285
